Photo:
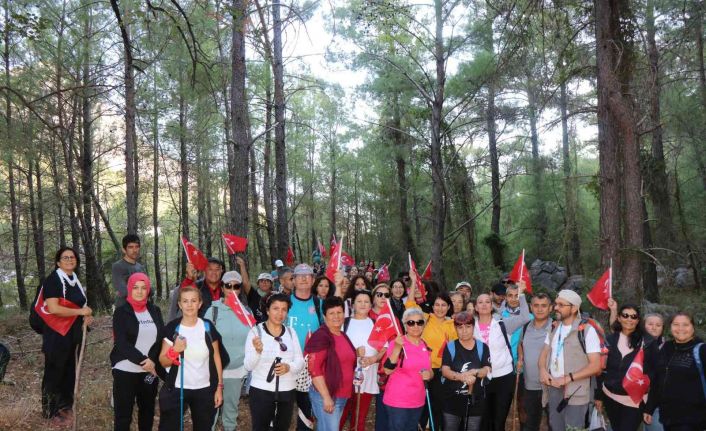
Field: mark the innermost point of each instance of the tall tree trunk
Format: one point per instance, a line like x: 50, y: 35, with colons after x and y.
x: 57, y: 182
x: 240, y: 123
x: 649, y: 266
x: 36, y: 216
x: 334, y: 173
x: 494, y: 240
x: 699, y: 36
x: 571, y: 231
x: 255, y: 208
x: 130, y: 134
x: 184, y: 176
x: 400, y: 152
x: 438, y: 205
x: 280, y: 147
x: 200, y: 196
x: 155, y: 188
x: 541, y: 222
x: 657, y: 181
x: 692, y: 253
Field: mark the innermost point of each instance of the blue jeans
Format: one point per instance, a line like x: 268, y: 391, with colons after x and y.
x: 381, y: 422
x: 326, y: 421
x: 656, y: 424
x: 400, y: 419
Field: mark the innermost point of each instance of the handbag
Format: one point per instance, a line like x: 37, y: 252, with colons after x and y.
x: 304, y: 378
x: 597, y: 421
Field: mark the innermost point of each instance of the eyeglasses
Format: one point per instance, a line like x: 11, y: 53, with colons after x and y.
x: 411, y: 323
x: 282, y: 346
x: 232, y: 286
x: 629, y: 316
x: 68, y: 257
x: 382, y: 294
x: 463, y: 325
x: 559, y: 304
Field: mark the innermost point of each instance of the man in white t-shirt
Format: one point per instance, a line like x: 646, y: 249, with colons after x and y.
x: 569, y: 359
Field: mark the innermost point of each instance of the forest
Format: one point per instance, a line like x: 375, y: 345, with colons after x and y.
x: 460, y: 131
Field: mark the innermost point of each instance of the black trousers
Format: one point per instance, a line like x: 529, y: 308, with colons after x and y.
x: 58, y: 381
x: 436, y: 395
x: 621, y: 417
x: 198, y: 401
x: 497, y: 402
x: 262, y: 409
x: 533, y: 409
x: 303, y: 404
x: 129, y: 388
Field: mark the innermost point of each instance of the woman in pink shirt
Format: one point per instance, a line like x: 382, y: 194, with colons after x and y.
x: 332, y: 360
x: 409, y: 366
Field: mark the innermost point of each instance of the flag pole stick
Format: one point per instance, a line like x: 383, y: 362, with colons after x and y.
x: 78, y: 376
x: 522, y: 265
x: 340, y: 252
x: 188, y: 258
x: 610, y: 279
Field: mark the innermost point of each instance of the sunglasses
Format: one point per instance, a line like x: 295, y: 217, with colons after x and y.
x: 411, y: 323
x: 232, y: 286
x: 282, y: 346
x: 382, y: 294
x: 629, y: 316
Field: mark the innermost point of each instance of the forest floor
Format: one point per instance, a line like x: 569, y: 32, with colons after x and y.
x: 20, y: 398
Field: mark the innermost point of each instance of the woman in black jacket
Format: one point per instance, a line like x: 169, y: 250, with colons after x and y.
x: 678, y: 387
x: 625, y: 411
x: 135, y: 328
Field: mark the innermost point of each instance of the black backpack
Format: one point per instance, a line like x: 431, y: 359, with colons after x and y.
x: 35, y: 320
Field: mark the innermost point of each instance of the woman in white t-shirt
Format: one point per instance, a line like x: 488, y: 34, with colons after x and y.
x: 136, y: 324
x: 193, y: 344
x: 274, y: 356
x: 358, y: 328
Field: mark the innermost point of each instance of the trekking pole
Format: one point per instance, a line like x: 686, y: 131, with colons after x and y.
x: 273, y: 423
x: 78, y: 376
x: 514, y: 403
x: 181, y: 392
x: 431, y: 415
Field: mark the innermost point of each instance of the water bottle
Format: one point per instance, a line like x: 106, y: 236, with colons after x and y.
x: 149, y: 378
x: 358, y: 375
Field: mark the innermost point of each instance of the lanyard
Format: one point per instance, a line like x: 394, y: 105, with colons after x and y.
x: 559, y: 349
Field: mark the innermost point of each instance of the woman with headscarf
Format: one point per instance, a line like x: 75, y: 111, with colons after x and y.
x: 135, y: 327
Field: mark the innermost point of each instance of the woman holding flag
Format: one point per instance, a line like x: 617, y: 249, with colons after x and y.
x: 438, y: 331
x: 233, y: 322
x: 628, y: 348
x: 358, y: 328
x: 273, y: 355
x: 62, y: 306
x: 193, y: 359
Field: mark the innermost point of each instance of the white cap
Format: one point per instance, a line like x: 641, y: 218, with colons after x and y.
x: 232, y: 276
x: 264, y: 276
x: 279, y: 263
x: 462, y: 284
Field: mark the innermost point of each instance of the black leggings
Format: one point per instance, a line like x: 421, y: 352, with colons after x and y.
x: 199, y: 401
x: 262, y: 409
x: 622, y: 417
x: 58, y: 381
x: 498, y: 399
x: 128, y: 388
x: 436, y: 395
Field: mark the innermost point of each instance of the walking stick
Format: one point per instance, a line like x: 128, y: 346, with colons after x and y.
x: 431, y: 416
x: 181, y: 393
x: 514, y: 403
x: 78, y: 376
x: 273, y: 423
x: 357, y: 406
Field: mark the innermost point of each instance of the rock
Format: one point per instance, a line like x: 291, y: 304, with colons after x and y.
x: 663, y: 309
x: 575, y: 283
x: 548, y: 274
x: 683, y: 277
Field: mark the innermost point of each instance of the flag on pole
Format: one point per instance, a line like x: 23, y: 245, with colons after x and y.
x: 334, y: 262
x: 384, y: 273
x: 322, y: 249
x: 241, y: 312
x: 420, y: 286
x: 194, y: 255
x: 520, y: 272
x: 385, y: 328
x: 602, y: 290
x: 234, y: 244
x: 427, y: 272
x: 289, y: 260
x: 636, y: 383
x: 346, y: 259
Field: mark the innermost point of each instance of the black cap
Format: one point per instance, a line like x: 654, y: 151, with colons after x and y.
x: 499, y: 289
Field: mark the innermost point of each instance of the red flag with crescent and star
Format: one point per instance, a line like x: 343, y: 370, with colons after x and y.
x: 333, y: 261
x: 383, y: 273
x: 385, y: 328
x: 234, y: 244
x: 520, y: 272
x: 57, y: 323
x: 194, y: 255
x: 241, y: 312
x: 420, y: 286
x: 636, y: 383
x: 602, y: 290
x: 427, y: 272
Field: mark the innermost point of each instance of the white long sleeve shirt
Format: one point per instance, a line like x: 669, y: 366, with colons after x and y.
x: 260, y: 363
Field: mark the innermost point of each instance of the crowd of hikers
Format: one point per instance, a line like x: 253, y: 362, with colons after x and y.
x: 307, y: 348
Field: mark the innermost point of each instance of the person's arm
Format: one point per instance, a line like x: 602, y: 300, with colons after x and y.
x: 317, y: 364
x: 394, y: 357
x: 411, y: 301
x: 544, y: 376
x: 338, y: 283
x: 244, y: 274
x: 61, y: 311
x: 520, y: 356
x: 169, y: 355
x: 591, y: 369
x: 296, y: 364
x: 613, y: 307
x: 218, y: 396
x: 253, y: 350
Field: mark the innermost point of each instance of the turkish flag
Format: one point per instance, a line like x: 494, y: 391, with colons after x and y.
x: 322, y: 249
x: 346, y: 259
x: 290, y: 257
x: 427, y: 272
x: 636, y: 383
x: 602, y: 290
x: 520, y: 272
x: 385, y: 328
x: 384, y: 273
x: 333, y: 262
x: 241, y: 312
x: 194, y: 255
x: 420, y: 285
x: 58, y: 324
x: 235, y: 244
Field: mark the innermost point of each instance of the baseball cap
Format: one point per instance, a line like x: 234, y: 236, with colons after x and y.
x: 462, y: 284
x: 264, y: 276
x: 279, y: 263
x: 232, y: 277
x: 303, y: 269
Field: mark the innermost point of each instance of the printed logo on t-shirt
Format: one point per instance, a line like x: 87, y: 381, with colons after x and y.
x: 312, y: 310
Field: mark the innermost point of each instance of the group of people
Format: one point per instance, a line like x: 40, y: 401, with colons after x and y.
x: 305, y: 349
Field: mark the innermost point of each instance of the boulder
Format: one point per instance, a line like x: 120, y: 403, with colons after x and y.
x: 548, y: 274
x: 683, y: 277
x: 575, y: 283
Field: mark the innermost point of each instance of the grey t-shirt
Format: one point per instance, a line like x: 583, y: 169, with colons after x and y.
x: 122, y: 270
x: 533, y: 343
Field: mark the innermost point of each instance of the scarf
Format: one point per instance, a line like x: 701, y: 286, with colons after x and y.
x: 138, y: 306
x: 323, y: 339
x: 71, y: 280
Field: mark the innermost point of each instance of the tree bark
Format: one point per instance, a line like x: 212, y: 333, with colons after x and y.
x: 699, y: 37
x: 155, y: 189
x: 184, y: 175
x: 571, y: 231
x: 280, y: 147
x: 541, y: 222
x: 130, y: 133
x: 36, y: 215
x: 334, y: 173
x: 255, y: 208
x: 494, y: 240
